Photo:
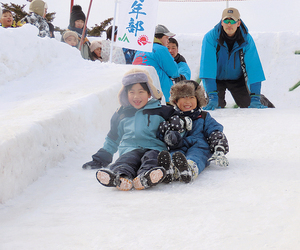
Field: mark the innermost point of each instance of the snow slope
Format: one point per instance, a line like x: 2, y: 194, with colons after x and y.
x: 55, y: 111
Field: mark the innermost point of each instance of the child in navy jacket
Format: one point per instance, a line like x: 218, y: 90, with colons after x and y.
x: 199, y: 140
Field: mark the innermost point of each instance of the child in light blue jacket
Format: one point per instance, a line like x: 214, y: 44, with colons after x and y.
x: 133, y: 133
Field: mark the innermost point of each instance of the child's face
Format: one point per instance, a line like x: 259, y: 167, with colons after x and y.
x: 79, y: 24
x: 72, y: 40
x: 137, y: 96
x: 98, y: 52
x: 7, y: 20
x: 187, y: 103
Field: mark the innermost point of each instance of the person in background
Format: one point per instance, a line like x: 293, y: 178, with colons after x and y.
x: 161, y: 59
x: 129, y: 55
x: 117, y: 53
x: 96, y: 48
x: 229, y: 60
x: 77, y: 21
x: 51, y: 30
x: 36, y: 17
x: 71, y: 38
x: 183, y: 67
x: 7, y: 19
x: 199, y: 140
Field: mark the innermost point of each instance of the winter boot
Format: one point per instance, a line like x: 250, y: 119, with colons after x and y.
x: 164, y: 160
x: 188, y: 170
x: 149, y: 179
x: 109, y: 179
x: 194, y: 168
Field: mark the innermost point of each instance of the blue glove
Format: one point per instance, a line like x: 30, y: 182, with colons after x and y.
x: 212, y: 101
x: 255, y: 102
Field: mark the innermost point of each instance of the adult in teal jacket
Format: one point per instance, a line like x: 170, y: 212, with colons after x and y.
x: 229, y: 60
x: 161, y: 60
x: 183, y: 67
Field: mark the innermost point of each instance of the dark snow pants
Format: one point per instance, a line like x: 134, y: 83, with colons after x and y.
x: 135, y: 162
x: 238, y: 90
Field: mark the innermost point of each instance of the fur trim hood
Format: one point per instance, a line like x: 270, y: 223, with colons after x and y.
x: 133, y: 76
x: 187, y: 88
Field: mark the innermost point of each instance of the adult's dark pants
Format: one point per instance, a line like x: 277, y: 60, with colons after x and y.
x: 238, y: 90
x: 135, y: 162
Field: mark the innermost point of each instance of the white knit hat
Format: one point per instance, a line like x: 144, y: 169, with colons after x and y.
x: 95, y: 45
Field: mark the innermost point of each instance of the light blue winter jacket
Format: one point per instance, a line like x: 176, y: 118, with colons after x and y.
x: 223, y: 65
x: 136, y: 129
x: 184, y: 69
x: 161, y: 59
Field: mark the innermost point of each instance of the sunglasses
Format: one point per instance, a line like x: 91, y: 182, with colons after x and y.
x: 231, y: 21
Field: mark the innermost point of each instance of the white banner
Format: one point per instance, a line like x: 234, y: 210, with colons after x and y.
x: 136, y: 24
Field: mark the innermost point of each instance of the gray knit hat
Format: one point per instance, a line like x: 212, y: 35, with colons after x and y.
x: 187, y: 88
x: 133, y: 76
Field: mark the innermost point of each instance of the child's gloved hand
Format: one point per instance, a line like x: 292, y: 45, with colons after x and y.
x: 176, y: 124
x: 219, y: 156
x: 172, y: 138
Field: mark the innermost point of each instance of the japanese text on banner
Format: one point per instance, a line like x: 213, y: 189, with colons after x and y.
x: 137, y: 20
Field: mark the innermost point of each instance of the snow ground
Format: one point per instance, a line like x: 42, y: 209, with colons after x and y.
x: 55, y: 111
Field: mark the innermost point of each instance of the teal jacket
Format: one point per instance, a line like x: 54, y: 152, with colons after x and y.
x: 218, y: 63
x: 161, y: 59
x: 136, y: 129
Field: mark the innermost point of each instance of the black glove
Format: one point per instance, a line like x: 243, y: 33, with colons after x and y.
x: 178, y: 79
x: 175, y: 124
x: 218, y: 142
x: 172, y: 138
x: 101, y: 159
x: 93, y: 165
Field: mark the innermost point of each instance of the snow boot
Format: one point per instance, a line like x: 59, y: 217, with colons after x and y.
x: 164, y: 160
x: 149, y: 179
x: 109, y: 179
x: 187, y: 169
